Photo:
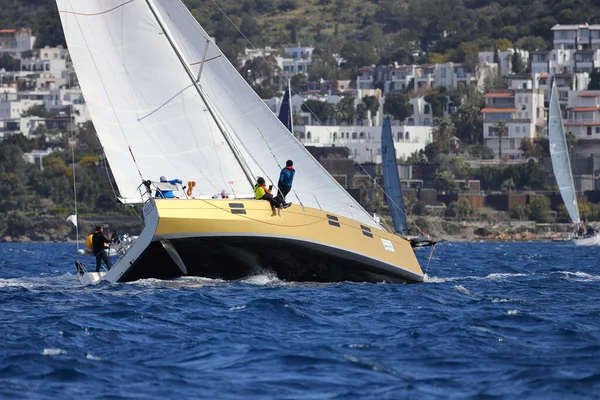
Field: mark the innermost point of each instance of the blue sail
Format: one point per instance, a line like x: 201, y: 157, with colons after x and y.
x: 391, y: 179
x: 285, y: 112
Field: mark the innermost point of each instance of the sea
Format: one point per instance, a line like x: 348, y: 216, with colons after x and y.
x: 491, y: 321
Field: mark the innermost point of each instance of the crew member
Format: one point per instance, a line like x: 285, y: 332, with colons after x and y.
x: 99, y: 248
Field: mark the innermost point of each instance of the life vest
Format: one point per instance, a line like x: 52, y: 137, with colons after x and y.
x: 88, y: 241
x: 260, y: 191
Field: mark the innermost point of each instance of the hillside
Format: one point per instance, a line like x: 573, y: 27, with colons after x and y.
x: 390, y: 28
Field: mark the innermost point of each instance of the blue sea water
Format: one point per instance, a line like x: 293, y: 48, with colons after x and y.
x: 492, y: 321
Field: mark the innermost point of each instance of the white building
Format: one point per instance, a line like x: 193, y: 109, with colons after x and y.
x: 576, y: 37
x: 583, y: 115
x: 505, y: 57
x: 521, y: 108
x: 424, y: 76
x: 16, y: 41
x: 37, y: 156
x: 12, y: 109
x: 364, y: 142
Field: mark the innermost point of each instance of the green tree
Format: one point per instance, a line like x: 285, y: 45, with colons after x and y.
x: 540, y: 208
x: 438, y: 102
x: 508, y: 185
x: 320, y: 109
x: 519, y: 212
x: 37, y: 110
x: 517, y: 64
x: 444, y: 180
x: 501, y: 131
x: 464, y: 209
x: 397, y: 105
x: 594, y: 80
x: 345, y: 109
x: 372, y: 104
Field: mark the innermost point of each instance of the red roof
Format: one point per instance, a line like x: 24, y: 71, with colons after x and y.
x: 7, y: 31
x: 588, y: 95
x: 582, y: 123
x: 543, y: 75
x: 585, y: 109
x: 499, y: 95
x: 366, y: 69
x: 498, y: 110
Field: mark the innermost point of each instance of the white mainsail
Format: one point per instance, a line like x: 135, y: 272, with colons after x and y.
x: 130, y: 58
x: 560, y: 157
x: 140, y: 98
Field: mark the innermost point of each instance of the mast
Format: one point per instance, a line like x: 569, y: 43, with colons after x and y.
x: 196, y: 84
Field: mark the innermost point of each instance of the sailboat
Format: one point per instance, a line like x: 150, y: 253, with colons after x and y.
x: 393, y: 189
x: 165, y: 101
x: 286, y: 115
x: 561, y: 165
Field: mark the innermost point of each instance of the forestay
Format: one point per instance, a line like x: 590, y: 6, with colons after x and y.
x: 560, y: 158
x: 264, y: 141
x: 139, y: 97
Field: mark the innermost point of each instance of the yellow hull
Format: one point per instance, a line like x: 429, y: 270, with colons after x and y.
x: 230, y: 239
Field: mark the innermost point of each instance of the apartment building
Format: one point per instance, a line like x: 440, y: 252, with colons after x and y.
x: 16, y: 41
x: 364, y: 142
x: 521, y: 108
x: 583, y: 116
x: 576, y: 37
x: 425, y: 76
x: 505, y: 58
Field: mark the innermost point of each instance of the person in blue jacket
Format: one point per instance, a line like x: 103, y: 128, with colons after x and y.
x: 166, y: 193
x: 286, y: 178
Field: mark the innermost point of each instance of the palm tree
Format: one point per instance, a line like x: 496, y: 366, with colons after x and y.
x: 508, y: 185
x: 502, y: 130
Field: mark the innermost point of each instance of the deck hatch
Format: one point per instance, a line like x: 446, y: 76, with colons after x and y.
x: 333, y: 223
x: 233, y: 211
x: 236, y: 205
x: 368, y: 234
x: 332, y: 217
x: 365, y: 228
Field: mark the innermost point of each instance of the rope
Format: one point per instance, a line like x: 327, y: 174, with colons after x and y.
x: 72, y: 120
x: 430, y: 257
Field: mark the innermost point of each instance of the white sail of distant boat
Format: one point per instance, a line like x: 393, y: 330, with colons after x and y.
x: 165, y: 101
x: 561, y: 166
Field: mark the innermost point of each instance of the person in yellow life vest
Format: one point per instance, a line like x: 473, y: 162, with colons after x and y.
x: 262, y: 193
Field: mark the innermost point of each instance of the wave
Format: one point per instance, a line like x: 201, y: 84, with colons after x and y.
x: 579, y: 276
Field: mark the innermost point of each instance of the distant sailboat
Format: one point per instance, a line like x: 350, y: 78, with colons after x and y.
x: 391, y: 178
x: 561, y: 166
x: 285, y: 111
x: 393, y: 188
x: 165, y: 101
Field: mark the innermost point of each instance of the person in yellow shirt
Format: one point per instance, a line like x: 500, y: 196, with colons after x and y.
x: 262, y: 193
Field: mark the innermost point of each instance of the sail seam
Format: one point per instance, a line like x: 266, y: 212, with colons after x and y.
x: 95, y: 14
x: 210, y: 59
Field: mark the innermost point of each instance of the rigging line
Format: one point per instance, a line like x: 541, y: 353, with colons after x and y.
x: 108, y: 176
x: 429, y: 260
x: 71, y: 121
x: 105, y: 90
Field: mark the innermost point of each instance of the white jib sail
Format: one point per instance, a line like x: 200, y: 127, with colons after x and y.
x: 264, y: 141
x: 560, y: 157
x: 140, y: 98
